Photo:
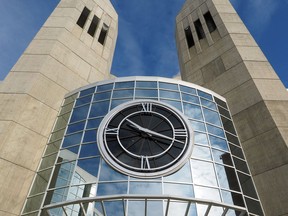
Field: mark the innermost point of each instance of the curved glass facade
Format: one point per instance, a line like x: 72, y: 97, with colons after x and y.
x: 74, y: 179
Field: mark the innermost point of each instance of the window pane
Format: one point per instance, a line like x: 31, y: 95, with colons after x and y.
x: 227, y: 178
x: 105, y: 87
x: 112, y: 188
x: 218, y: 143
x: 102, y: 96
x: 120, y: 85
x: 109, y: 174
x: 208, y: 103
x: 145, y: 84
x: 94, y: 123
x: 190, y: 98
x: 222, y: 157
x: 163, y: 85
x: 178, y: 190
x: 87, y: 91
x: 203, y: 173
x: 90, y: 136
x: 198, y: 126
x: 79, y: 113
x: 83, y: 100
x: 75, y: 127
x: 72, y: 140
x: 169, y: 94
x: 146, y: 93
x: 99, y: 109
x: 123, y: 93
x: 211, y: 117
x: 188, y: 89
x: 175, y: 104
x: 89, y: 150
x: 118, y: 102
x: 201, y: 152
x: 207, y: 193
x: 145, y: 188
x: 193, y: 111
x: 90, y: 166
x: 200, y: 138
x: 215, y: 130
x: 182, y: 175
x: 205, y: 95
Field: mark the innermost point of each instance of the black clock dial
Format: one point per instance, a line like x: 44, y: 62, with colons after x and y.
x: 144, y: 137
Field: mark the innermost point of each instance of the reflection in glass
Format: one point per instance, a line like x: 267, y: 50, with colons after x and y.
x: 90, y: 136
x: 89, y: 150
x: 146, y: 84
x: 145, y: 188
x: 72, y: 140
x: 120, y: 85
x: 192, y: 111
x: 117, y: 102
x: 112, y: 188
x: 146, y: 93
x: 114, y: 206
x: 222, y: 157
x: 99, y: 109
x: 64, y: 175
x: 207, y: 193
x: 83, y: 100
x: 208, y: 103
x: 79, y: 113
x: 169, y: 94
x: 109, y: 174
x: 203, y: 173
x: 218, y: 143
x: 228, y: 125
x: 241, y: 165
x: 204, y: 95
x: 93, y: 123
x: 136, y: 208
x: 232, y: 198
x: 102, y: 96
x: 89, y: 166
x: 87, y: 91
x: 215, y: 130
x: 190, y: 98
x: 220, y: 102
x: 200, y: 138
x: 227, y: 178
x: 236, y: 151
x: 247, y: 185
x: 188, y: 89
x: 72, y: 128
x: 179, y: 209
x: 171, y: 86
x: 201, y: 152
x: 173, y: 103
x: 178, y: 189
x: 123, y: 93
x: 199, y: 126
x: 69, y: 154
x: 154, y: 208
x: 105, y: 87
x: 182, y: 175
x: 211, y: 117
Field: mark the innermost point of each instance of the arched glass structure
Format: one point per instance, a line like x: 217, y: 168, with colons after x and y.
x: 74, y: 179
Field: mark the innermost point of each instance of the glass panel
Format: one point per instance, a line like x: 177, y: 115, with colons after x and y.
x: 64, y: 173
x: 182, y: 175
x: 72, y: 128
x: 201, y: 152
x: 73, y: 210
x: 79, y: 113
x: 198, y: 126
x: 102, y: 96
x: 83, y: 100
x: 188, y: 89
x: 70, y: 99
x: 203, y: 173
x: 120, y: 85
x: 222, y: 157
x: 232, y: 198
x: 232, y: 139
x: 146, y: 93
x: 220, y: 102
x: 109, y: 174
x: 146, y: 84
x: 87, y: 91
x: 89, y: 167
x: 33, y: 204
x: 218, y: 143
x: 123, y: 93
x: 224, y: 112
x: 48, y: 161
x: 99, y: 109
x: 89, y: 150
x: 171, y: 86
x: 247, y: 185
x: 154, y: 208
x: 241, y: 165
x: 200, y: 138
x: 207, y: 193
x: 53, y: 147
x: 136, y: 208
x: 228, y: 125
x: 211, y: 117
x: 205, y: 95
x: 227, y: 177
x: 175, y: 104
x: 112, y: 207
x: 193, y: 111
x: 169, y: 94
x: 90, y: 136
x: 104, y: 87
x: 72, y: 140
x: 178, y: 189
x: 178, y: 209
x: 215, y: 130
x: 190, y: 98
x: 236, y: 151
x: 254, y: 206
x: 112, y: 188
x: 209, y: 104
x: 40, y: 182
x: 116, y: 103
x: 93, y: 123
x: 145, y: 188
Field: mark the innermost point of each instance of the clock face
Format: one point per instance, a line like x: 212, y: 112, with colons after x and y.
x: 145, y: 138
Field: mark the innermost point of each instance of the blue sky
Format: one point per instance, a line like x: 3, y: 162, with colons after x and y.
x: 146, y: 33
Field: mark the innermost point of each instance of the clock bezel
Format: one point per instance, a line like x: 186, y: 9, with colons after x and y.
x: 176, y: 165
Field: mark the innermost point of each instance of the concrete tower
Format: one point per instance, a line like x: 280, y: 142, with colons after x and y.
x: 217, y: 51
x: 73, y: 48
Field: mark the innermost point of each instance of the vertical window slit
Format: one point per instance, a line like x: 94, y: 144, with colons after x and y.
x: 199, y: 29
x: 103, y: 34
x: 93, y: 26
x: 83, y: 17
x: 210, y: 22
x: 189, y: 37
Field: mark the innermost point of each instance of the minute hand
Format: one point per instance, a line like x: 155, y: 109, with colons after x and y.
x: 150, y: 132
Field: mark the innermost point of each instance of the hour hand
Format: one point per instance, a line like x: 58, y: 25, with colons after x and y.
x: 134, y: 125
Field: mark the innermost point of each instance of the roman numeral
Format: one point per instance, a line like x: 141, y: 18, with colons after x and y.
x: 111, y: 131
x: 145, y: 163
x: 146, y: 107
x: 180, y: 133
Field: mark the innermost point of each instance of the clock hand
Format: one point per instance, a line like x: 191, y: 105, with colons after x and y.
x: 150, y: 132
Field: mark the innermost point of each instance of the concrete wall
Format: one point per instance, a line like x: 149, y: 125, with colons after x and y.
x: 229, y: 62
x: 61, y: 58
